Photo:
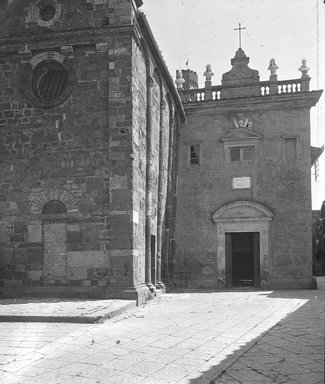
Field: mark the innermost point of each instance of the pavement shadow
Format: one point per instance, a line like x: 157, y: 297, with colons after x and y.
x: 256, y: 362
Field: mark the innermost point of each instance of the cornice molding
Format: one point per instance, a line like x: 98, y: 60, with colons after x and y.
x: 284, y: 101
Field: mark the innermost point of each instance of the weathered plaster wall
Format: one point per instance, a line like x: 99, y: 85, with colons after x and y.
x: 281, y: 186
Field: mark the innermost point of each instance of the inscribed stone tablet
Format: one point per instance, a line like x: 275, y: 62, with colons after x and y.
x: 241, y: 182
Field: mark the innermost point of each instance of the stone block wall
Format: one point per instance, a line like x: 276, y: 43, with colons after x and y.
x: 61, y: 149
x: 139, y: 143
x: 21, y: 17
x: 60, y: 153
x: 161, y: 111
x: 120, y: 159
x: 73, y: 171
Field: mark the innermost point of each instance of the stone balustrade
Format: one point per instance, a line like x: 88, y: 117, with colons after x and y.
x: 264, y: 88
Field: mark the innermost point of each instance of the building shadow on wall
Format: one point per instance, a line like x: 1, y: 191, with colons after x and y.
x: 293, y: 346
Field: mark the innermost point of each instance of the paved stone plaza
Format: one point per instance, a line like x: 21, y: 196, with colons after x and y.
x: 195, y: 338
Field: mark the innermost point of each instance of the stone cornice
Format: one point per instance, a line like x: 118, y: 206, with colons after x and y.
x: 89, y: 36
x: 269, y: 102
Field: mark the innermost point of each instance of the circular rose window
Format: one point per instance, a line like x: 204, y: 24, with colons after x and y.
x: 45, y: 12
x: 48, y: 79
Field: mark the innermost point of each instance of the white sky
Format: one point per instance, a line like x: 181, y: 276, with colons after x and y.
x: 288, y: 30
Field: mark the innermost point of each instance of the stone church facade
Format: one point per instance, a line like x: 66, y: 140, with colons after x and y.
x: 244, y: 193
x: 89, y: 120
x: 95, y: 153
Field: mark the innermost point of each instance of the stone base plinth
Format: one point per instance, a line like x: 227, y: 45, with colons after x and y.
x: 140, y: 293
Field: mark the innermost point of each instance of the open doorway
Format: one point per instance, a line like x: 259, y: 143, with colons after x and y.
x: 242, y: 259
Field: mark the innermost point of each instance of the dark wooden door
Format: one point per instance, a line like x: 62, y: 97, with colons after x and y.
x: 242, y: 250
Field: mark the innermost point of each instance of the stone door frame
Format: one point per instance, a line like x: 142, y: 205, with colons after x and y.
x: 243, y: 216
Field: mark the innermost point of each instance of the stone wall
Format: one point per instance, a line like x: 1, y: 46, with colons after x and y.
x: 148, y: 78
x: 139, y: 92
x: 21, y: 17
x: 73, y: 168
x: 282, y: 186
x: 42, y: 150
x: 66, y: 153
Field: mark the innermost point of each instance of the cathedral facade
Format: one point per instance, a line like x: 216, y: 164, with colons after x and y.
x: 89, y: 125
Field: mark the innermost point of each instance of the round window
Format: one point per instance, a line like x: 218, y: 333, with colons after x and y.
x: 45, y: 12
x: 50, y: 81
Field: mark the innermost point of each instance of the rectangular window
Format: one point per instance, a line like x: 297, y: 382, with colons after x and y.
x: 290, y: 148
x: 242, y: 153
x: 248, y: 153
x: 235, y: 154
x: 194, y: 154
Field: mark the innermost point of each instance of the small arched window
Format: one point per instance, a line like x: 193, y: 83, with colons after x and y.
x: 54, y: 206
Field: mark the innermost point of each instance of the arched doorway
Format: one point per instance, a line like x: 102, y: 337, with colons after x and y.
x: 55, y: 256
x: 243, y: 244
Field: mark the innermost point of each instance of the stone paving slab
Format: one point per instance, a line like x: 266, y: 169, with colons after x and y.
x: 250, y: 337
x: 67, y: 311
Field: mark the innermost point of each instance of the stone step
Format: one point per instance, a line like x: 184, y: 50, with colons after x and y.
x: 15, y: 288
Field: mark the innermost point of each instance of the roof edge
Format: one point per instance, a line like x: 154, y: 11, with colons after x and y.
x: 147, y: 32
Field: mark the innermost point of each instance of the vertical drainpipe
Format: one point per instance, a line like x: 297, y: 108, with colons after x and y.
x: 148, y: 182
x: 160, y: 213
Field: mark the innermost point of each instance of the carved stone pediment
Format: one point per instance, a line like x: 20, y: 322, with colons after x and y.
x: 242, y: 211
x: 242, y: 134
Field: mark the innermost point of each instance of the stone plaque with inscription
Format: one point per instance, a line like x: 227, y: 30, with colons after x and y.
x: 241, y: 182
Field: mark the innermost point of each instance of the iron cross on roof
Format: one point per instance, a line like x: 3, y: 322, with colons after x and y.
x: 239, y: 29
